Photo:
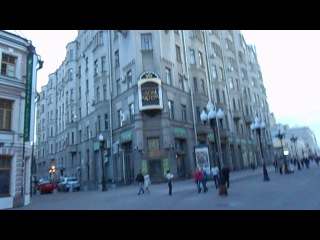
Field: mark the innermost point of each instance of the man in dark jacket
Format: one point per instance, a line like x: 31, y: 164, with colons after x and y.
x: 140, y: 180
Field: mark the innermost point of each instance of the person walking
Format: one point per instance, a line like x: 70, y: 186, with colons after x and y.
x: 204, y: 180
x: 215, y: 172
x: 197, y: 179
x: 147, y: 182
x: 140, y: 180
x: 169, y: 177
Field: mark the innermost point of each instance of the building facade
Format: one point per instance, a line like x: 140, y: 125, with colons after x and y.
x: 17, y: 91
x: 144, y: 91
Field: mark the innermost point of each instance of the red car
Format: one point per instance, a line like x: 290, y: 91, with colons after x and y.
x: 46, y: 187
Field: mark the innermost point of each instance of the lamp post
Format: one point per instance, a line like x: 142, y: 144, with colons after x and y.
x: 212, y: 116
x: 280, y: 135
x: 294, y: 140
x: 103, y: 180
x: 258, y: 126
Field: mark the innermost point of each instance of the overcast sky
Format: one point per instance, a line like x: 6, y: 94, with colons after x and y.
x: 289, y: 61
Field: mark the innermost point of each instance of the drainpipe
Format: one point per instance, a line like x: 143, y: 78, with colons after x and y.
x: 190, y: 89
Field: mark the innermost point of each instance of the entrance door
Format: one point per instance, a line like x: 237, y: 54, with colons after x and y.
x: 181, y: 166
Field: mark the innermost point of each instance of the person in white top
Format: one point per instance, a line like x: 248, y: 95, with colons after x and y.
x: 147, y: 182
x: 215, y: 173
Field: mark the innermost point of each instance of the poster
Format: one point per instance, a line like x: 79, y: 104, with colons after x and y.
x: 202, y: 158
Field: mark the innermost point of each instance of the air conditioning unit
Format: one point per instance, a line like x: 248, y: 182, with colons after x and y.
x: 213, y: 55
x: 123, y: 78
x: 185, y: 76
x: 93, y: 103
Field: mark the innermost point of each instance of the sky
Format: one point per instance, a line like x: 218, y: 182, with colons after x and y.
x: 289, y: 63
x: 288, y: 59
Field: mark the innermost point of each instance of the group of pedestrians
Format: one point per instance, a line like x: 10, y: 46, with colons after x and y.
x: 144, y: 182
x: 201, y: 177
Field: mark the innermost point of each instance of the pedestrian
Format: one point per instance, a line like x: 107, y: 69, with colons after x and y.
x: 252, y: 166
x: 197, y: 179
x: 215, y: 172
x: 204, y: 180
x: 225, y: 172
x: 140, y: 180
x: 147, y: 182
x: 169, y: 177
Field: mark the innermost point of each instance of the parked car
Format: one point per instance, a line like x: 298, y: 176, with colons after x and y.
x: 68, y: 182
x: 46, y: 186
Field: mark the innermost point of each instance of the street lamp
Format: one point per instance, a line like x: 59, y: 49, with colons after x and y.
x: 258, y: 126
x: 280, y: 135
x: 212, y: 116
x: 103, y: 181
x: 294, y: 140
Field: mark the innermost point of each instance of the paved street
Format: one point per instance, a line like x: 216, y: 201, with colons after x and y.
x: 247, y: 191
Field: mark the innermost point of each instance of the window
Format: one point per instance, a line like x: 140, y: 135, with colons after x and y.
x: 231, y: 83
x: 87, y: 63
x: 103, y: 64
x: 214, y: 72
x: 195, y: 85
x: 171, y: 109
x: 5, y: 175
x: 71, y: 94
x: 168, y: 76
x: 221, y: 73
x: 200, y: 59
x: 98, y: 94
x: 80, y: 136
x: 106, y: 121
x: 198, y: 113
x: 8, y: 65
x: 181, y: 82
x: 96, y: 69
x: 178, y: 53
x: 129, y: 79
x: 218, y: 95
x: 192, y: 57
x: 203, y: 88
x: 71, y: 55
x: 5, y: 114
x: 118, y: 87
x: 116, y: 59
x: 87, y: 86
x: 70, y: 74
x: 88, y: 132
x: 104, y: 91
x: 131, y: 112
x: 146, y: 42
x: 153, y: 144
x: 234, y: 104
x: 119, y: 115
x: 99, y: 123
x: 184, y: 113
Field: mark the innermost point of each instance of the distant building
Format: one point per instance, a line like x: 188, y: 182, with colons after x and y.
x: 17, y: 103
x: 144, y: 91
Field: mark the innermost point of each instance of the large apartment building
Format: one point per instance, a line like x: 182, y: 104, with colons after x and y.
x: 144, y: 91
x: 19, y: 63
